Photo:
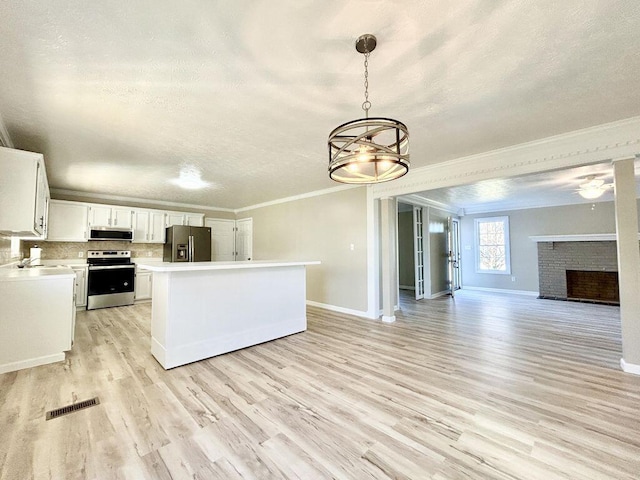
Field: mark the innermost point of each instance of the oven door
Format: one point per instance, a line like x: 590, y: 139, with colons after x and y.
x: 110, y: 286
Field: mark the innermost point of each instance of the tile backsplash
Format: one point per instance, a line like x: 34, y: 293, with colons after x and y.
x: 68, y: 250
x: 5, y: 250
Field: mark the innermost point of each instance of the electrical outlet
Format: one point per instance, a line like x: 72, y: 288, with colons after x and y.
x: 80, y: 254
x: 352, y: 247
x: 513, y: 279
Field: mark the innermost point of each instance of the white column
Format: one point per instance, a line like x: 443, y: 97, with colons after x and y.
x: 388, y: 257
x: 628, y: 262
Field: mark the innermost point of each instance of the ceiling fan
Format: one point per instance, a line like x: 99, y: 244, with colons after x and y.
x: 593, y: 187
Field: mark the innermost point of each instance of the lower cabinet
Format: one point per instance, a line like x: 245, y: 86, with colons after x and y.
x: 81, y: 284
x: 37, y: 318
x: 143, y: 284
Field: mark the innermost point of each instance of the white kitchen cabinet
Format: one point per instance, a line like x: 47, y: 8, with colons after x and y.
x: 181, y: 218
x: 174, y: 218
x: 81, y: 284
x: 141, y: 226
x: 67, y: 221
x: 24, y: 194
x: 121, y: 217
x: 38, y: 316
x: 144, y: 281
x: 156, y: 227
x: 148, y: 226
x: 108, y: 216
x: 194, y: 219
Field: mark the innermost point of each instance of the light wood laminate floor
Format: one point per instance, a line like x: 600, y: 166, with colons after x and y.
x: 483, y: 387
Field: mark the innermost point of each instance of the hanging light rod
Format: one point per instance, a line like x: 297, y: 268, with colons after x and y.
x: 368, y: 150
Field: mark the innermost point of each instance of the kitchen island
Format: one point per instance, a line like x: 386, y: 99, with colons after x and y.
x: 203, y: 309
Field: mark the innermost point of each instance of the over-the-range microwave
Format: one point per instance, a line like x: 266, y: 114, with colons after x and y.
x: 110, y: 233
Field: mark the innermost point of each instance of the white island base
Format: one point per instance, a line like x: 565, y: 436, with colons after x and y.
x: 204, y: 309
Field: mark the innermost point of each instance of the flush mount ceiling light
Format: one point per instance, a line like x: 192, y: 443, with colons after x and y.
x: 593, y: 188
x: 368, y: 150
x: 190, y: 178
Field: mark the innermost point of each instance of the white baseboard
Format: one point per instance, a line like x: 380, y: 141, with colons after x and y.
x: 407, y: 287
x: 629, y: 367
x: 31, y: 362
x: 334, y: 308
x: 504, y: 290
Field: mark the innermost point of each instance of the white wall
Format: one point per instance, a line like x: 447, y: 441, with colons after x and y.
x: 319, y: 228
x: 564, y: 220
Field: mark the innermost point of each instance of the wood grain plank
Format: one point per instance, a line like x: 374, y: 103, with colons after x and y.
x: 498, y: 387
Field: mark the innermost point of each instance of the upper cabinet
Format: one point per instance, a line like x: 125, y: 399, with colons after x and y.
x: 181, y: 218
x: 148, y: 226
x: 71, y: 221
x: 174, y: 218
x: 194, y: 219
x: 109, y: 216
x: 68, y: 221
x: 24, y: 194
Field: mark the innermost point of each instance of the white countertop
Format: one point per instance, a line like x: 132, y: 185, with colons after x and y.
x: 194, y: 266
x: 12, y: 273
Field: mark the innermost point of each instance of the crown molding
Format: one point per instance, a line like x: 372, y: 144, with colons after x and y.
x: 302, y: 196
x: 120, y: 198
x: 415, y: 199
x: 5, y: 138
x: 607, y: 142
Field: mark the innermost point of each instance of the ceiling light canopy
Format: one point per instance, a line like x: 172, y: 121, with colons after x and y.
x: 368, y: 150
x: 190, y: 178
x: 593, y: 188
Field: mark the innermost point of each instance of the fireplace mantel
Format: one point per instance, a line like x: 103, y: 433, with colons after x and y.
x: 585, y: 237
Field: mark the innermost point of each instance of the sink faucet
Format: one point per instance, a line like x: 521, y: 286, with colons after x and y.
x: 25, y: 261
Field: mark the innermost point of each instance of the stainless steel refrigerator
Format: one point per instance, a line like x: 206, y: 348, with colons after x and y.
x: 187, y: 244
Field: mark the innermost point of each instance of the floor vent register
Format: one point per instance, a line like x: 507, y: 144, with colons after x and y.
x: 59, y: 412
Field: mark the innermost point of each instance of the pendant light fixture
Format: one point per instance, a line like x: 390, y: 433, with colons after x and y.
x: 368, y: 150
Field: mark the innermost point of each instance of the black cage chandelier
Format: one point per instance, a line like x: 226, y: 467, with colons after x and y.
x: 368, y: 150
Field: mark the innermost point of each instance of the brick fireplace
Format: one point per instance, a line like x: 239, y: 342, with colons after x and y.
x: 579, y: 270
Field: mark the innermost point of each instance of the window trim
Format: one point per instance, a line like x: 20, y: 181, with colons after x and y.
x: 507, y: 245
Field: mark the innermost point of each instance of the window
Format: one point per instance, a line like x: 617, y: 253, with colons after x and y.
x: 492, y: 245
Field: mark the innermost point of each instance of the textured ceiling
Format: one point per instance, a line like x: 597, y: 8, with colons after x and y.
x: 120, y: 95
x: 545, y: 189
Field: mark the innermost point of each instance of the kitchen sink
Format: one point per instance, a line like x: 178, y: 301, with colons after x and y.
x: 41, y: 266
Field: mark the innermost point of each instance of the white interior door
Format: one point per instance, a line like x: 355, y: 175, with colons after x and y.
x: 418, y: 252
x: 244, y: 239
x: 453, y: 254
x: 223, y: 239
x: 455, y: 250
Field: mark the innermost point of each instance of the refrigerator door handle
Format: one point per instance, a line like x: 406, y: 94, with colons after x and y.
x: 191, y: 248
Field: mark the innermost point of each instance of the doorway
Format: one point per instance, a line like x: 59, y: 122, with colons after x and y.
x: 231, y: 240
x: 453, y: 254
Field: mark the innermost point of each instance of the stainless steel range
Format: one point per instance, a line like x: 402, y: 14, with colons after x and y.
x: 111, y: 278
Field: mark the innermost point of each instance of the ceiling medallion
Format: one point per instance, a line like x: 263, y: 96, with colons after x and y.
x: 368, y: 150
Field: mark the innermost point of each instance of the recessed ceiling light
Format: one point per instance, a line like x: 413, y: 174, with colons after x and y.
x: 190, y: 178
